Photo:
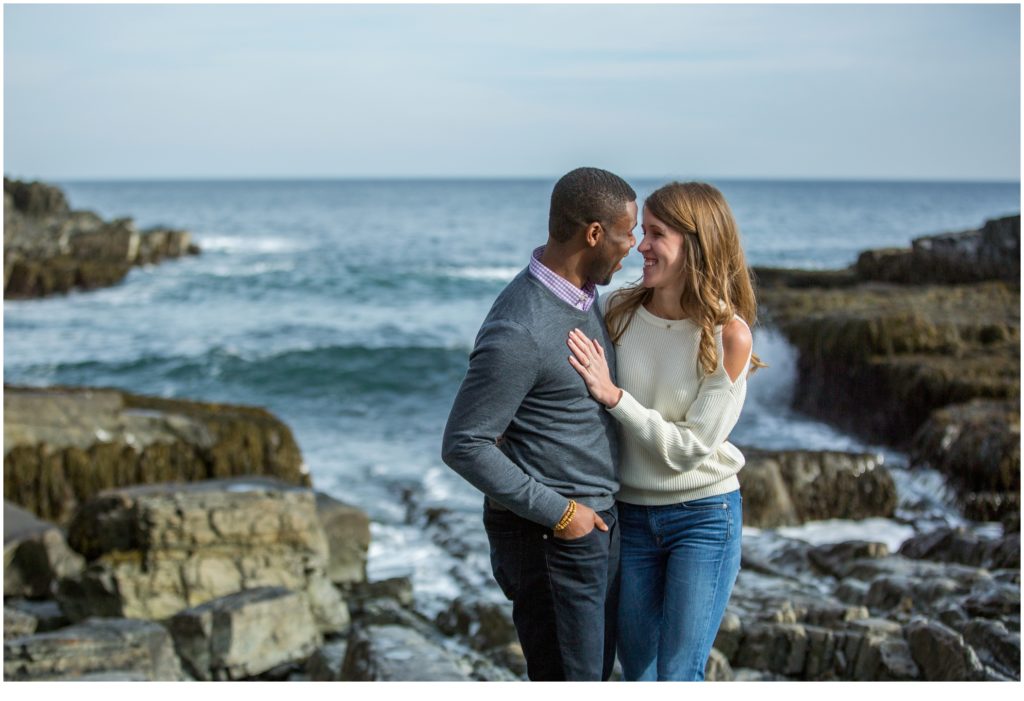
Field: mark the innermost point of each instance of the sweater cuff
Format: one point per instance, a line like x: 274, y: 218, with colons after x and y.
x: 552, y: 512
x: 628, y: 408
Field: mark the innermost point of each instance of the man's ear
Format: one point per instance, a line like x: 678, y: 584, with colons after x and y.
x: 593, y: 234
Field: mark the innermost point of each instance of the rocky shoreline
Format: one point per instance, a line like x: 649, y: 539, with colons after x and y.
x: 252, y: 577
x: 918, y: 348
x: 156, y: 539
x: 50, y: 249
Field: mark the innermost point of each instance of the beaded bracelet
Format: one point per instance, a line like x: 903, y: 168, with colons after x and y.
x: 570, y: 511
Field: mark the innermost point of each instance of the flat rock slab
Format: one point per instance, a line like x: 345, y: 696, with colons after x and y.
x: 95, y: 649
x: 158, y: 549
x: 64, y: 445
x: 397, y: 654
x: 245, y: 634
x: 348, y: 538
x: 790, y: 487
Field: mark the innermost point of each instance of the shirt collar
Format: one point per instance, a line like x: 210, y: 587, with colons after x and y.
x: 562, y: 288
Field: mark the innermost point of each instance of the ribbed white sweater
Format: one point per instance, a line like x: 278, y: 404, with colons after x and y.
x: 673, y: 420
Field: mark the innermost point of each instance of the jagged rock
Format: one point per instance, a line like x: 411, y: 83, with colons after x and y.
x: 868, y: 569
x: 877, y: 359
x: 791, y: 487
x: 97, y: 649
x: 348, y: 538
x: 35, y: 199
x: 889, y: 592
x: 961, y: 546
x: 49, y: 249
x: 886, y: 659
x: 388, y: 612
x: 941, y: 653
x: 155, y: 550
x: 35, y: 554
x: 994, y: 600
x: 245, y: 634
x: 773, y: 647
x: 64, y: 445
x: 159, y: 243
x: 717, y: 668
x: 860, y: 651
x: 831, y: 559
x: 995, y: 645
x: 992, y: 252
x: 898, y: 585
x: 399, y: 589
x: 852, y: 591
x: 327, y: 663
x: 977, y: 444
x: 485, y: 624
x: 45, y: 615
x: 394, y: 653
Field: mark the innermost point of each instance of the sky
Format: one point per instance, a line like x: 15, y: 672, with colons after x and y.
x: 925, y: 92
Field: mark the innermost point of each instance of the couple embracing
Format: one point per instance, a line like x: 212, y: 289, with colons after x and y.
x: 597, y: 429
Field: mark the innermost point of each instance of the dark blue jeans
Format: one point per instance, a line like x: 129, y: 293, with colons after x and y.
x: 564, y: 594
x: 679, y: 564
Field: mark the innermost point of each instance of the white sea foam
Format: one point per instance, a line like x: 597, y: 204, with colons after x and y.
x: 880, y: 530
x: 497, y: 273
x: 251, y: 270
x: 235, y: 244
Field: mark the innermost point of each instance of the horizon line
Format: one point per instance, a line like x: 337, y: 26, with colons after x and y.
x: 503, y: 178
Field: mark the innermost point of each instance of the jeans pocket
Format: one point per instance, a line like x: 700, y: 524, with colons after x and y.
x: 502, y: 524
x: 575, y: 542
x: 720, y: 502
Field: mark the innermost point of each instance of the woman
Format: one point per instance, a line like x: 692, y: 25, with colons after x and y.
x: 684, y: 348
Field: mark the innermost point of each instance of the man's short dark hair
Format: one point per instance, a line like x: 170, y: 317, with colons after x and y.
x: 584, y: 196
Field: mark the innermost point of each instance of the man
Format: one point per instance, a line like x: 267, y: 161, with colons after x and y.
x: 525, y: 431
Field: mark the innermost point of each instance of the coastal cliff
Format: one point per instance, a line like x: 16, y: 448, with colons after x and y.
x: 920, y: 349
x: 51, y: 249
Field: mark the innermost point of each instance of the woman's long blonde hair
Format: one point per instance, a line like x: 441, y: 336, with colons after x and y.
x: 718, y: 284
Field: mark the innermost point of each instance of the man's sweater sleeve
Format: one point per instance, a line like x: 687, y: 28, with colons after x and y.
x: 502, y: 369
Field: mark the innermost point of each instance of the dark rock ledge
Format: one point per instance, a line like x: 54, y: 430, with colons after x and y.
x: 920, y: 349
x: 50, y: 249
x: 63, y: 445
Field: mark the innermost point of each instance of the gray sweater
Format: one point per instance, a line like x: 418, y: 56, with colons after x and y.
x: 524, y: 430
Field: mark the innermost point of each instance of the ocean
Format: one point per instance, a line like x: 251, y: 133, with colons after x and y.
x: 348, y: 308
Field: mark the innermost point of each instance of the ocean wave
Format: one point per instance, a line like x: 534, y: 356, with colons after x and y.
x: 248, y: 244
x: 234, y: 271
x: 496, y: 273
x: 349, y: 372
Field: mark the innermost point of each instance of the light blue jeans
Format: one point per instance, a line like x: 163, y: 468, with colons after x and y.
x: 679, y: 564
